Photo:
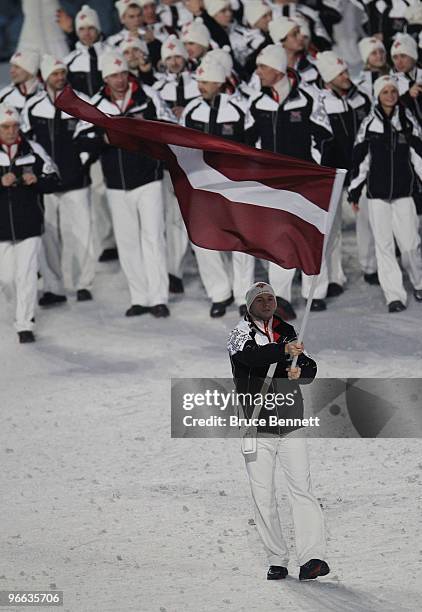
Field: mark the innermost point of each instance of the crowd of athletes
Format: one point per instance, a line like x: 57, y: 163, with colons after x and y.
x: 265, y: 74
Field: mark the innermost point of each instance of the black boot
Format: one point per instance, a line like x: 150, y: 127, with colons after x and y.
x: 108, y: 255
x: 83, y: 295
x: 285, y: 309
x: 136, y: 310
x: 396, y: 306
x: 175, y: 284
x: 51, y: 299
x: 312, y: 569
x: 371, y: 279
x: 160, y: 311
x: 276, y: 572
x: 334, y: 289
x: 218, y: 309
x: 26, y: 336
x: 318, y: 305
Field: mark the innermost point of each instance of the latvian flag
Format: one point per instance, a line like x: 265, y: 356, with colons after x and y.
x: 233, y: 197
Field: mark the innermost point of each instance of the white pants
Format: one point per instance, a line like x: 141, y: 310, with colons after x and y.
x: 19, y: 267
x: 389, y: 220
x: 216, y: 278
x: 307, y: 515
x: 176, y: 235
x: 102, y: 222
x: 138, y: 222
x: 365, y: 239
x: 67, y: 258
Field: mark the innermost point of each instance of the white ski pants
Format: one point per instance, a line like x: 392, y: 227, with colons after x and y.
x: 396, y: 219
x: 67, y: 257
x: 18, y: 272
x: 307, y: 515
x: 138, y: 223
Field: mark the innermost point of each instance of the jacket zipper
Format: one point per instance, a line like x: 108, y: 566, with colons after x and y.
x: 122, y: 176
x: 9, y: 199
x: 391, y: 162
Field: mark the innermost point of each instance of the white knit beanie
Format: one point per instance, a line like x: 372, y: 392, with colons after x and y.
x: 112, y: 63
x: 86, y: 18
x: 211, y: 71
x: 255, y: 290
x: 274, y: 56
x: 382, y: 82
x: 196, y: 32
x: 8, y: 114
x: 329, y: 65
x: 413, y: 14
x: 215, y: 6
x: 406, y: 45
x: 123, y: 5
x: 133, y: 42
x: 303, y: 24
x: 49, y: 64
x: 367, y: 45
x: 173, y: 46
x: 143, y: 3
x: 222, y: 56
x: 254, y: 10
x: 280, y: 27
x: 28, y: 60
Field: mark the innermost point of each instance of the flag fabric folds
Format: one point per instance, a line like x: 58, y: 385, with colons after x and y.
x: 233, y: 197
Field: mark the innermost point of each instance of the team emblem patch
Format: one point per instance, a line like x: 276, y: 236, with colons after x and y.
x: 295, y: 116
x: 227, y: 129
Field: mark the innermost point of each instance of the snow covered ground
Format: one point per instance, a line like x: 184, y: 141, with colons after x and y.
x: 100, y: 502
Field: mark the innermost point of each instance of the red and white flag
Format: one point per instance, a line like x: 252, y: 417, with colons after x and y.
x: 233, y: 197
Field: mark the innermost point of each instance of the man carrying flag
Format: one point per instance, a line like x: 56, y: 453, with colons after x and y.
x: 260, y: 339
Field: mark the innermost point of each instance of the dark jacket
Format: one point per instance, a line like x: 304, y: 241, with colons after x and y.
x: 251, y: 354
x: 227, y: 116
x: 124, y: 169
x: 387, y: 156
x: 345, y: 114
x: 84, y: 73
x: 21, y: 206
x: 54, y: 130
x: 296, y: 127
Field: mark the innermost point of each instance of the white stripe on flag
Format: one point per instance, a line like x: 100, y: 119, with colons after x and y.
x: 202, y: 176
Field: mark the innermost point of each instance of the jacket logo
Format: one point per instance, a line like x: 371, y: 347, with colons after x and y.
x: 227, y: 129
x: 295, y: 116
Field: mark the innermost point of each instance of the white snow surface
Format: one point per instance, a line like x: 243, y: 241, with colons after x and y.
x: 100, y: 502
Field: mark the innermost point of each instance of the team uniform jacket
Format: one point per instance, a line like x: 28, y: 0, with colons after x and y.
x: 54, y: 130
x: 252, y: 349
x: 387, y: 156
x: 307, y: 71
x: 177, y: 90
x: 21, y: 206
x: 365, y: 81
x: 83, y: 67
x: 345, y: 114
x: 227, y: 116
x: 298, y: 127
x: 255, y: 41
x: 124, y: 169
x: 389, y: 18
x: 405, y: 82
x: 18, y: 95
